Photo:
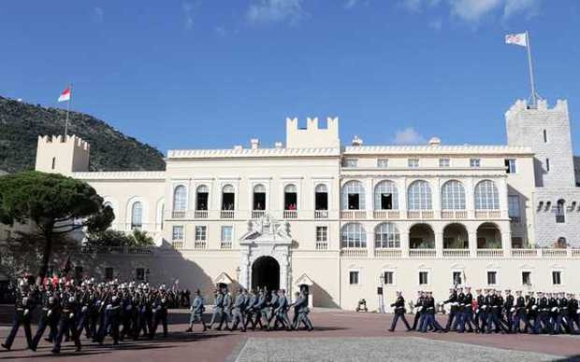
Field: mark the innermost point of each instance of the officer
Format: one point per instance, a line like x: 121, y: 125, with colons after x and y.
x: 23, y: 307
x: 197, y: 309
x: 399, y: 309
x: 418, y: 307
x: 237, y: 316
x: 452, y: 301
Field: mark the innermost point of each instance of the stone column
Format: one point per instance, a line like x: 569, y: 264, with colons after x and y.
x: 404, y: 242
x: 370, y: 235
x: 439, y: 243
x: 472, y: 235
x: 245, y: 269
x: 506, y: 239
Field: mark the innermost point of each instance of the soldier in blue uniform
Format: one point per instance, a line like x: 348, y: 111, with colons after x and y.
x: 399, y: 309
x: 237, y: 313
x: 301, y: 307
x: 197, y: 308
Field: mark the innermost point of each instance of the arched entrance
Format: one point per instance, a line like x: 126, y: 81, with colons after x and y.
x: 266, y: 273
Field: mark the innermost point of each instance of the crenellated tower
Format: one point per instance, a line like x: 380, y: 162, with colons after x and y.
x: 62, y: 154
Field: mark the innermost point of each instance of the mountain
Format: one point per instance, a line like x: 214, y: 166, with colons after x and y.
x: 21, y: 124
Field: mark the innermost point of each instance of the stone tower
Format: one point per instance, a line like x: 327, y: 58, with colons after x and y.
x: 61, y: 154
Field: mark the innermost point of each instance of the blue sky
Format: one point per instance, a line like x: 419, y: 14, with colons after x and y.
x: 214, y: 73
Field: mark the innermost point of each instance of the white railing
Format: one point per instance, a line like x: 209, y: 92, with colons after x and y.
x: 386, y: 214
x: 388, y: 253
x: 178, y: 214
x: 290, y: 214
x: 201, y: 244
x: 490, y: 253
x: 456, y: 253
x: 554, y: 253
x: 226, y: 245
x: 487, y: 214
x: 321, y: 245
x: 201, y: 214
x: 256, y: 214
x: 420, y: 214
x: 321, y: 214
x: 525, y: 253
x: 454, y: 214
x: 353, y: 214
x: 575, y: 253
x: 177, y: 245
x: 227, y: 214
x: 422, y: 253
x: 354, y: 253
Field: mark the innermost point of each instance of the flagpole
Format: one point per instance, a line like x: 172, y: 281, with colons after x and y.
x: 67, y: 112
x: 531, y: 68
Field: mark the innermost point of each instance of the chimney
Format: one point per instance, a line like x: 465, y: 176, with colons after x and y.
x: 255, y: 143
x: 435, y: 141
x: 356, y: 141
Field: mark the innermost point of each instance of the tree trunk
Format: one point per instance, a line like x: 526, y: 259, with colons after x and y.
x: 46, y: 253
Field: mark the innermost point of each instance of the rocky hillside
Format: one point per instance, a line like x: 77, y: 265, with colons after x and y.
x: 111, y: 150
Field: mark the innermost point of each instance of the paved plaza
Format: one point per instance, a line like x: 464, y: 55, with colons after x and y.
x: 338, y: 336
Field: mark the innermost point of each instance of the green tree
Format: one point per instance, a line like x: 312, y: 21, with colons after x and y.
x: 54, y: 204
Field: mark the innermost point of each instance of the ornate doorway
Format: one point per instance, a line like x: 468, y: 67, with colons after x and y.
x: 266, y: 273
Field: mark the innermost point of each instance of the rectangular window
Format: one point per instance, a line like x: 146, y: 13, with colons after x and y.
x: 109, y: 273
x: 491, y: 278
x: 200, y: 233
x: 444, y: 162
x: 140, y: 274
x: 382, y: 163
x: 547, y: 165
x: 514, y: 208
x: 510, y: 165
x: 413, y: 162
x: 177, y: 234
x: 350, y: 162
x: 386, y: 201
x: 527, y: 278
x: 389, y: 278
x: 227, y: 234
x: 556, y: 278
x: 423, y: 278
x: 353, y: 277
x: 545, y: 136
x: 321, y: 234
x: 475, y: 163
x: 457, y: 278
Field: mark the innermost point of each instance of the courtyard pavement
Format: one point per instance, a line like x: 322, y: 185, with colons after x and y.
x: 338, y: 336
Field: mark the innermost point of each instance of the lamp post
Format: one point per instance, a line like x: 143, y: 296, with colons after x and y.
x: 381, y: 293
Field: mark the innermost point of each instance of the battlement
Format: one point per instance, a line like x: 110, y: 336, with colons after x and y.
x: 62, y: 154
x: 522, y: 105
x: 313, y: 136
x: 77, y: 141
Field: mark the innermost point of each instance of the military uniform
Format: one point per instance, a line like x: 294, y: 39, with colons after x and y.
x: 70, y: 308
x: 399, y: 309
x: 237, y: 316
x: 23, y: 307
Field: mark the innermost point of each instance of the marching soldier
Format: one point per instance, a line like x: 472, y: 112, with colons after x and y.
x: 418, y: 307
x: 218, y: 308
x: 452, y: 300
x: 23, y: 306
x: 197, y: 309
x: 237, y: 316
x: 519, y: 314
x: 67, y: 323
x: 159, y: 308
x: 400, y: 311
x: 301, y: 307
x: 272, y: 304
x: 49, y: 318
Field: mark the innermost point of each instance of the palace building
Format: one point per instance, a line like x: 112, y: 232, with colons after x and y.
x: 346, y: 219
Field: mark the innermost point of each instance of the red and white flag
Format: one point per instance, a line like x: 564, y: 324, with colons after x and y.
x: 65, y: 95
x: 517, y: 39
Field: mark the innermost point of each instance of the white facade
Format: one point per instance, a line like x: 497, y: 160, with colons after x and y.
x: 345, y: 219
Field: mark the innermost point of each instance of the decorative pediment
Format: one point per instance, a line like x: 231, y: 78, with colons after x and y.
x: 223, y: 278
x: 267, y: 230
x: 304, y: 280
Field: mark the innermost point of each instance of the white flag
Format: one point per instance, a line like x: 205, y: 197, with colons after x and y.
x: 65, y: 95
x: 517, y: 39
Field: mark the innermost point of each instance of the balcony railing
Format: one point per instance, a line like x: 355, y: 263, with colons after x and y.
x: 200, y: 244
x: 454, y: 214
x: 177, y: 245
x: 178, y: 214
x: 490, y: 253
x: 256, y: 214
x: 354, y: 253
x: 226, y: 245
x: 422, y: 253
x: 353, y: 214
x: 525, y: 253
x: 456, y: 253
x: 321, y: 245
x: 321, y: 214
x: 290, y: 214
x: 388, y: 253
x: 387, y: 214
x: 554, y: 253
x: 227, y: 214
x: 201, y: 214
x: 420, y: 214
x: 487, y: 214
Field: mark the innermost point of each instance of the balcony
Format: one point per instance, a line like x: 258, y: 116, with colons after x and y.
x: 487, y: 214
x: 227, y: 214
x: 354, y: 253
x: 321, y: 214
x: 554, y: 253
x: 454, y: 214
x: 490, y: 253
x: 201, y: 214
x: 420, y: 214
x: 422, y: 253
x: 178, y: 214
x: 290, y: 214
x: 388, y: 253
x: 200, y: 244
x: 177, y: 245
x: 456, y: 253
x: 256, y: 214
x: 387, y: 214
x: 525, y: 253
x: 226, y: 245
x: 353, y: 214
x: 321, y: 245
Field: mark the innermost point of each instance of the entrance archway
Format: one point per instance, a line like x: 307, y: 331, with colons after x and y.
x: 266, y: 273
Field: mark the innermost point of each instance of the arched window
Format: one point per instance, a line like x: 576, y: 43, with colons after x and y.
x: 386, y: 196
x: 179, y: 199
x: 228, y: 198
x: 353, y: 235
x: 202, y: 197
x: 387, y: 236
x: 353, y: 196
x: 321, y: 197
x: 108, y: 203
x: 259, y: 197
x: 137, y: 215
x: 453, y: 196
x: 419, y: 196
x: 486, y: 196
x: 290, y: 197
x: 561, y: 211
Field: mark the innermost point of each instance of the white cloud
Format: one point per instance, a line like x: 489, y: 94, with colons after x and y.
x: 473, y: 10
x: 187, y: 8
x: 408, y: 136
x: 527, y: 7
x: 272, y: 11
x: 98, y: 14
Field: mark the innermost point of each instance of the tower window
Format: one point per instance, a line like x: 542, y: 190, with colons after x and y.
x: 545, y: 136
x: 53, y: 162
x: 510, y: 165
x: 547, y: 165
x: 560, y: 212
x: 556, y: 278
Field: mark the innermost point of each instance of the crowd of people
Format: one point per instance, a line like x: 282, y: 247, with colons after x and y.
x: 130, y: 310
x: 490, y: 311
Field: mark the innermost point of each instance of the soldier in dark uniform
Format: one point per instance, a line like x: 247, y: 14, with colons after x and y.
x: 23, y: 307
x: 467, y: 311
x: 562, y: 314
x: 573, y: 317
x: 460, y: 313
x: 452, y: 301
x: 144, y: 313
x: 399, y: 310
x: 509, y: 309
x: 49, y: 318
x: 70, y: 308
x: 519, y: 314
x: 159, y: 308
x: 532, y: 311
x: 480, y: 314
x: 553, y: 311
x: 418, y: 307
x: 428, y: 320
x: 491, y: 311
x: 542, y: 322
